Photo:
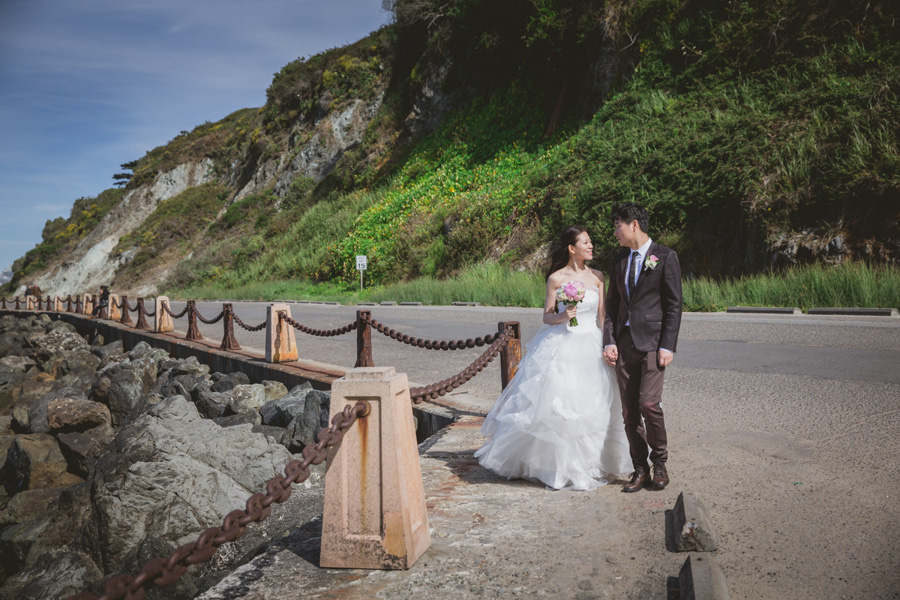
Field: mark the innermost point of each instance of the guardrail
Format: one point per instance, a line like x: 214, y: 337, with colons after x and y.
x: 280, y: 328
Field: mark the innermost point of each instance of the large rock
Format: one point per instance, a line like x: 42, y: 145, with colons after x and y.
x: 113, y: 352
x: 173, y: 474
x: 50, y: 349
x: 78, y: 360
x: 226, y: 383
x: 37, y: 413
x: 303, y: 428
x: 274, y: 390
x: 34, y: 461
x: 81, y: 449
x: 119, y: 386
x: 30, y: 504
x: 212, y: 404
x: 282, y: 411
x: 67, y: 415
x: 247, y: 397
x: 56, y: 574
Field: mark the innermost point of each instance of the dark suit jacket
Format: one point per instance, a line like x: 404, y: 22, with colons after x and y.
x: 655, y: 308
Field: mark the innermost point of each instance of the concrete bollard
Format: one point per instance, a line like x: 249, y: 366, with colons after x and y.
x: 30, y: 302
x: 161, y: 320
x: 281, y: 342
x: 87, y: 304
x: 701, y: 578
x: 694, y: 531
x: 374, y: 516
x: 58, y: 304
x: 113, y: 312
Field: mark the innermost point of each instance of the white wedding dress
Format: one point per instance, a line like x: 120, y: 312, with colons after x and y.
x: 559, y: 421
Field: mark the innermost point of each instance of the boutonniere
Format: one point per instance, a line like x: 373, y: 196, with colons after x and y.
x: 651, y: 262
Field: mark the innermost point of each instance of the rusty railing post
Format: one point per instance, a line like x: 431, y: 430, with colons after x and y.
x: 142, y: 315
x: 126, y: 318
x: 228, y: 340
x: 193, y: 333
x: 3, y: 302
x: 511, y: 353
x: 363, y: 339
x: 69, y: 303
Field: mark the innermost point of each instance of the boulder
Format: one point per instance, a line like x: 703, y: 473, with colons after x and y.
x: 119, y: 386
x: 247, y: 397
x: 38, y: 421
x: 17, y: 540
x: 140, y: 350
x: 81, y: 449
x: 226, y: 383
x: 212, y: 404
x: 183, y: 589
x: 50, y: 349
x: 282, y: 411
x: 172, y: 474
x: 68, y: 414
x: 55, y: 574
x: 113, y: 352
x: 147, y: 369
x: 248, y: 417
x: 78, y: 360
x: 184, y: 366
x: 30, y: 504
x: 274, y: 390
x: 34, y: 461
x: 303, y: 428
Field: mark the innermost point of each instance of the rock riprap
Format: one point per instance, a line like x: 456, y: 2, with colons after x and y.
x: 109, y: 457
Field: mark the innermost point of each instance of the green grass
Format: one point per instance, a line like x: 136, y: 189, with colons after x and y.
x: 851, y: 286
x: 855, y: 285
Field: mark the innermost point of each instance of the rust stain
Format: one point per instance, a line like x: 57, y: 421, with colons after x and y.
x: 363, y: 425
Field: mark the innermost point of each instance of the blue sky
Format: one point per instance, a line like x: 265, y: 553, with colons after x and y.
x: 87, y: 85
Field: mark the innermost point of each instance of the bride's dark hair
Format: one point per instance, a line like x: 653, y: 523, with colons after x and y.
x: 560, y: 256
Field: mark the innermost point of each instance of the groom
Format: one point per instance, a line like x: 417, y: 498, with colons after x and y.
x: 643, y: 315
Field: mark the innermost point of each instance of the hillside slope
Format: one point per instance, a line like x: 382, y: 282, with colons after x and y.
x: 759, y: 135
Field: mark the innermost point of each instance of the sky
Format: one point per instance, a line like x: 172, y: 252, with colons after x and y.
x: 87, y: 85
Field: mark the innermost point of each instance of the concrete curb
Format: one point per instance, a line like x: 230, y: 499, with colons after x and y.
x: 865, y: 312
x: 781, y: 310
x: 410, y: 304
x: 694, y: 531
x: 701, y: 578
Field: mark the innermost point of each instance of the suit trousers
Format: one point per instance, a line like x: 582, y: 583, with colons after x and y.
x: 641, y: 383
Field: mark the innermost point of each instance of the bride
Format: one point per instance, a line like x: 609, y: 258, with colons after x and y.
x: 559, y: 421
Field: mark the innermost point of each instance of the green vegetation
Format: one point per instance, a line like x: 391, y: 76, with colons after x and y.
x: 856, y: 285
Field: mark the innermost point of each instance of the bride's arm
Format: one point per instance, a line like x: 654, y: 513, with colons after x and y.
x: 601, y: 306
x: 551, y: 317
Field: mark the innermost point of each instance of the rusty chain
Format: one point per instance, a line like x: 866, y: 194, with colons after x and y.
x: 212, y: 321
x: 248, y: 327
x: 147, y: 313
x: 166, y: 308
x: 430, y: 344
x: 318, y: 332
x: 166, y: 571
x: 135, y: 306
x: 440, y: 388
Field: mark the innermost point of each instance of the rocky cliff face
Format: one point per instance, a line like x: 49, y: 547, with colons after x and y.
x: 93, y: 262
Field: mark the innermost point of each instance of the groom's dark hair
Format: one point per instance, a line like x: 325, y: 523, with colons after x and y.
x: 630, y: 211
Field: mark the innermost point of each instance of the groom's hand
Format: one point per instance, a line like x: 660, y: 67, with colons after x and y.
x: 664, y: 358
x: 611, y: 354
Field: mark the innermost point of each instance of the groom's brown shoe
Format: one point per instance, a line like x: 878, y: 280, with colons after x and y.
x: 639, y: 480
x: 660, y: 477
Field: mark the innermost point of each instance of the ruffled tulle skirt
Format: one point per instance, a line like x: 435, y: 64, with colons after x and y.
x: 559, y: 421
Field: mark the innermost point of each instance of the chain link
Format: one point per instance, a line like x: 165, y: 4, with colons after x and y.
x: 430, y: 344
x: 318, y: 332
x: 248, y: 327
x: 440, y: 388
x: 166, y: 571
x: 212, y: 321
x: 166, y: 308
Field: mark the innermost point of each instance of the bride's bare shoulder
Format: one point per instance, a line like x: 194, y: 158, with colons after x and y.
x: 556, y: 278
x: 601, y: 278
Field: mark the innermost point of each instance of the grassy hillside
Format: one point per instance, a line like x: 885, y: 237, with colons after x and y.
x: 759, y: 134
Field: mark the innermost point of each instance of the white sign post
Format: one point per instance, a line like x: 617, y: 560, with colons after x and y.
x: 361, y: 263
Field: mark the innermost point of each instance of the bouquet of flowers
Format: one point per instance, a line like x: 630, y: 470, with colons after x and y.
x: 570, y: 294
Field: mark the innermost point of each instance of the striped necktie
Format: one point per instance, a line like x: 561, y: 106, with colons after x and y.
x: 632, y: 274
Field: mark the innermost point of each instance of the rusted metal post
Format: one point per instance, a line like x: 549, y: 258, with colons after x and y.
x: 17, y: 303
x: 228, y: 340
x: 142, y: 315
x: 511, y: 353
x: 69, y: 303
x: 3, y: 302
x: 363, y: 339
x: 374, y: 514
x: 126, y: 318
x: 193, y: 332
